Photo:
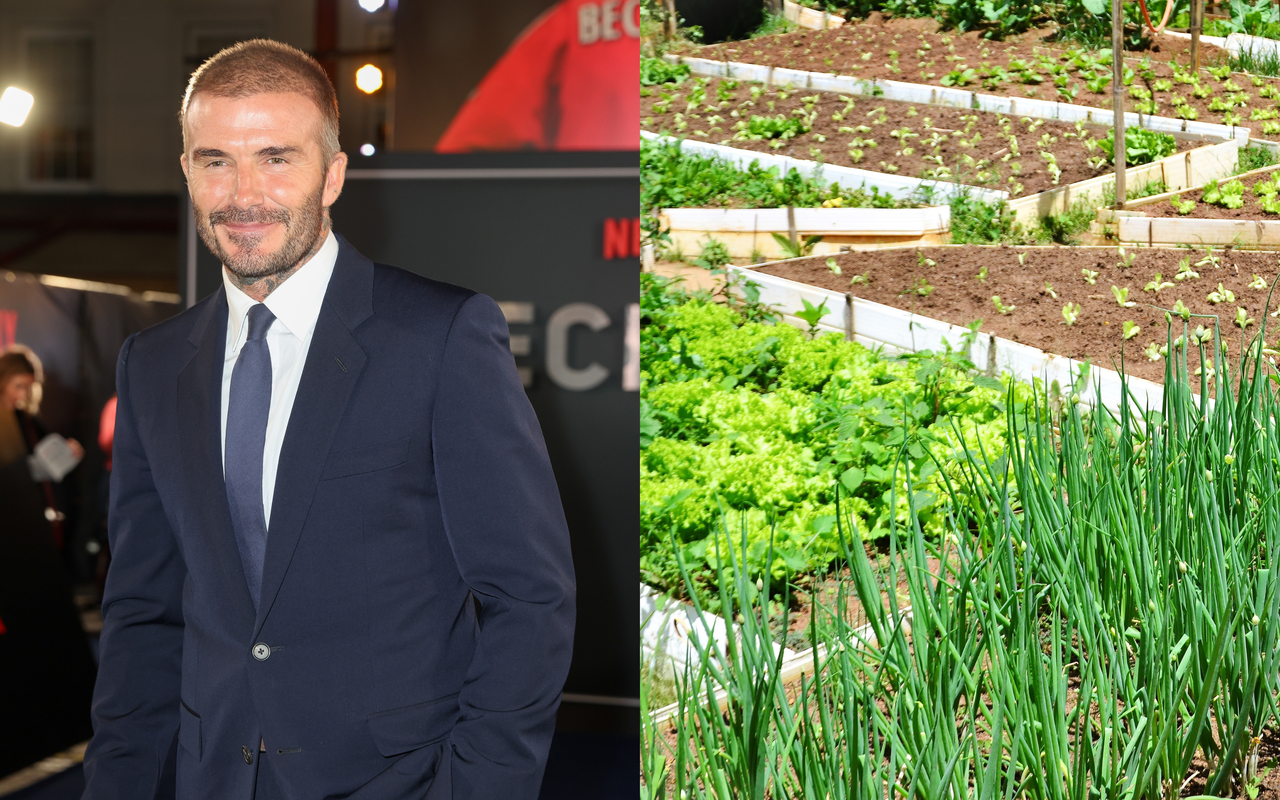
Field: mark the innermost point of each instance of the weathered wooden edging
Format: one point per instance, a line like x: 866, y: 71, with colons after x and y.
x: 956, y: 98
x: 880, y: 326
x: 748, y: 232
x: 1133, y: 226
x: 898, y: 186
x: 810, y: 18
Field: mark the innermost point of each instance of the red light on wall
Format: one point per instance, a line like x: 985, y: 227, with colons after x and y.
x: 622, y: 238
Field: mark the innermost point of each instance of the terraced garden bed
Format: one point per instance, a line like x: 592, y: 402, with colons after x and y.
x: 1028, y: 295
x: 1018, y: 154
x: 914, y: 50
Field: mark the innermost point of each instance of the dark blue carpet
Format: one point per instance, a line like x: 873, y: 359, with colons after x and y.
x: 580, y: 766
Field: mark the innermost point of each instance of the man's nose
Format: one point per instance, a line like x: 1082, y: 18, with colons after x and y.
x: 248, y: 188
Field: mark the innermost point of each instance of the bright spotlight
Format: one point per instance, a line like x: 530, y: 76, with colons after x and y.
x: 15, y: 104
x: 367, y: 149
x: 369, y: 79
x: 372, y: 5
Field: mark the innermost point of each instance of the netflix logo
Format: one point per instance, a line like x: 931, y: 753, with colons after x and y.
x: 622, y: 238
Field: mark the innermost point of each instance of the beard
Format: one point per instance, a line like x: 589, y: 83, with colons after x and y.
x: 250, y: 262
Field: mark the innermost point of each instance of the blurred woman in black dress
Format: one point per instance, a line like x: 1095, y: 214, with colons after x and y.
x: 44, y: 655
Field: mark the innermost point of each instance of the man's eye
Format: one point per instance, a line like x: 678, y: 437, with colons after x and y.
x: 217, y: 164
x: 276, y: 160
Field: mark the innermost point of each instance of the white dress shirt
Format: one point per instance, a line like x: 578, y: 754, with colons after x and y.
x: 296, y: 306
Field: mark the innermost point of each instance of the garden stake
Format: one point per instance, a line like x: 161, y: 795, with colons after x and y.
x: 1117, y: 94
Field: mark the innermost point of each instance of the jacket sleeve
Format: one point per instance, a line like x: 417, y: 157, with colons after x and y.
x: 505, y: 523
x: 135, y: 701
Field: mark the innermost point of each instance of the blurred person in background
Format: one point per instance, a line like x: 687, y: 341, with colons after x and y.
x: 21, y: 387
x: 45, y: 659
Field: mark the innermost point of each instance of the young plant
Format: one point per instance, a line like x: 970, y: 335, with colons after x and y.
x: 1126, y: 259
x: 982, y: 274
x: 811, y: 314
x: 1221, y: 295
x: 1157, y: 284
x: 1242, y: 320
x: 1152, y: 352
x: 1182, y: 206
x: 1228, y: 195
x: 1131, y: 329
x: 1257, y: 282
x: 1180, y: 308
x: 1070, y: 313
x: 1000, y: 305
x: 1090, y: 276
x: 1185, y: 272
x: 833, y: 266
x: 1122, y: 296
x: 1048, y: 289
x: 1210, y: 259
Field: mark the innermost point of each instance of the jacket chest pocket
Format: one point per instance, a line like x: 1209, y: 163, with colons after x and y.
x: 371, y: 458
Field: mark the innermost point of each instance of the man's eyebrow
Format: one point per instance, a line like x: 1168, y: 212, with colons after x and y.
x: 208, y: 152
x: 278, y: 150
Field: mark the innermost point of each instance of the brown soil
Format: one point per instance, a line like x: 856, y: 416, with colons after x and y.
x: 1251, y: 210
x: 865, y: 49
x: 973, y: 146
x: 958, y: 297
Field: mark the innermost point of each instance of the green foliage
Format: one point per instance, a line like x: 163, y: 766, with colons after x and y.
x: 797, y: 249
x: 1256, y: 18
x: 976, y: 222
x: 1141, y: 146
x: 1254, y: 157
x: 1102, y: 622
x: 655, y: 71
x: 671, y: 178
x: 1228, y: 195
x: 775, y: 127
x: 768, y: 421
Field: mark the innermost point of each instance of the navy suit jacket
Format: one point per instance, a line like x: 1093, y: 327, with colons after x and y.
x: 417, y: 590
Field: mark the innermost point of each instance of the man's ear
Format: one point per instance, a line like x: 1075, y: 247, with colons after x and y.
x: 183, y: 161
x: 334, y: 178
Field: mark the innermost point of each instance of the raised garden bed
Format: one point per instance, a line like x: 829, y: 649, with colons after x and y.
x: 899, y: 138
x: 944, y: 284
x: 1057, y: 164
x: 810, y: 18
x: 867, y: 49
x: 1242, y: 212
x: 748, y: 233
x: 902, y: 187
x: 751, y: 212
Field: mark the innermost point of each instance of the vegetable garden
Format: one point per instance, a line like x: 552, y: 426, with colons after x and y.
x: 951, y: 566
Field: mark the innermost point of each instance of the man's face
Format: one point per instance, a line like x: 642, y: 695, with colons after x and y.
x: 258, y: 180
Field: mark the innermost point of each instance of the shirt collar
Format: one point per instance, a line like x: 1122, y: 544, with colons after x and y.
x: 295, y: 302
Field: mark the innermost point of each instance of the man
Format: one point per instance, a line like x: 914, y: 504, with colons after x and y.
x: 341, y: 568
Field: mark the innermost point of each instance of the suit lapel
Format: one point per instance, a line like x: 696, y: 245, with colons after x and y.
x: 330, y: 373
x: 200, y: 403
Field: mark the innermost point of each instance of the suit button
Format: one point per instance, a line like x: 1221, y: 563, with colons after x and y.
x: 248, y: 755
x: 261, y: 651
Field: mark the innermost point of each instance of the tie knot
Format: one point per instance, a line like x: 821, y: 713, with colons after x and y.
x: 260, y: 319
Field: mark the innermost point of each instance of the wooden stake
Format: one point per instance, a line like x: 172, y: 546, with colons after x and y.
x: 1117, y: 94
x: 791, y: 228
x: 671, y: 19
x: 1197, y: 22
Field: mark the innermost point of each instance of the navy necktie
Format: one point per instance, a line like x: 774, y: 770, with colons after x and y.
x: 247, y: 409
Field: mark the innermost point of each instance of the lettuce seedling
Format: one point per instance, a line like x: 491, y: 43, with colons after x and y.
x: 1070, y: 313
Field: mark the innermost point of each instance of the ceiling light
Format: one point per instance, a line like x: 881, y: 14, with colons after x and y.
x: 372, y: 5
x: 369, y: 79
x: 15, y: 104
x: 367, y: 149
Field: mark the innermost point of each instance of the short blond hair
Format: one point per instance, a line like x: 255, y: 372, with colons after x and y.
x: 264, y: 66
